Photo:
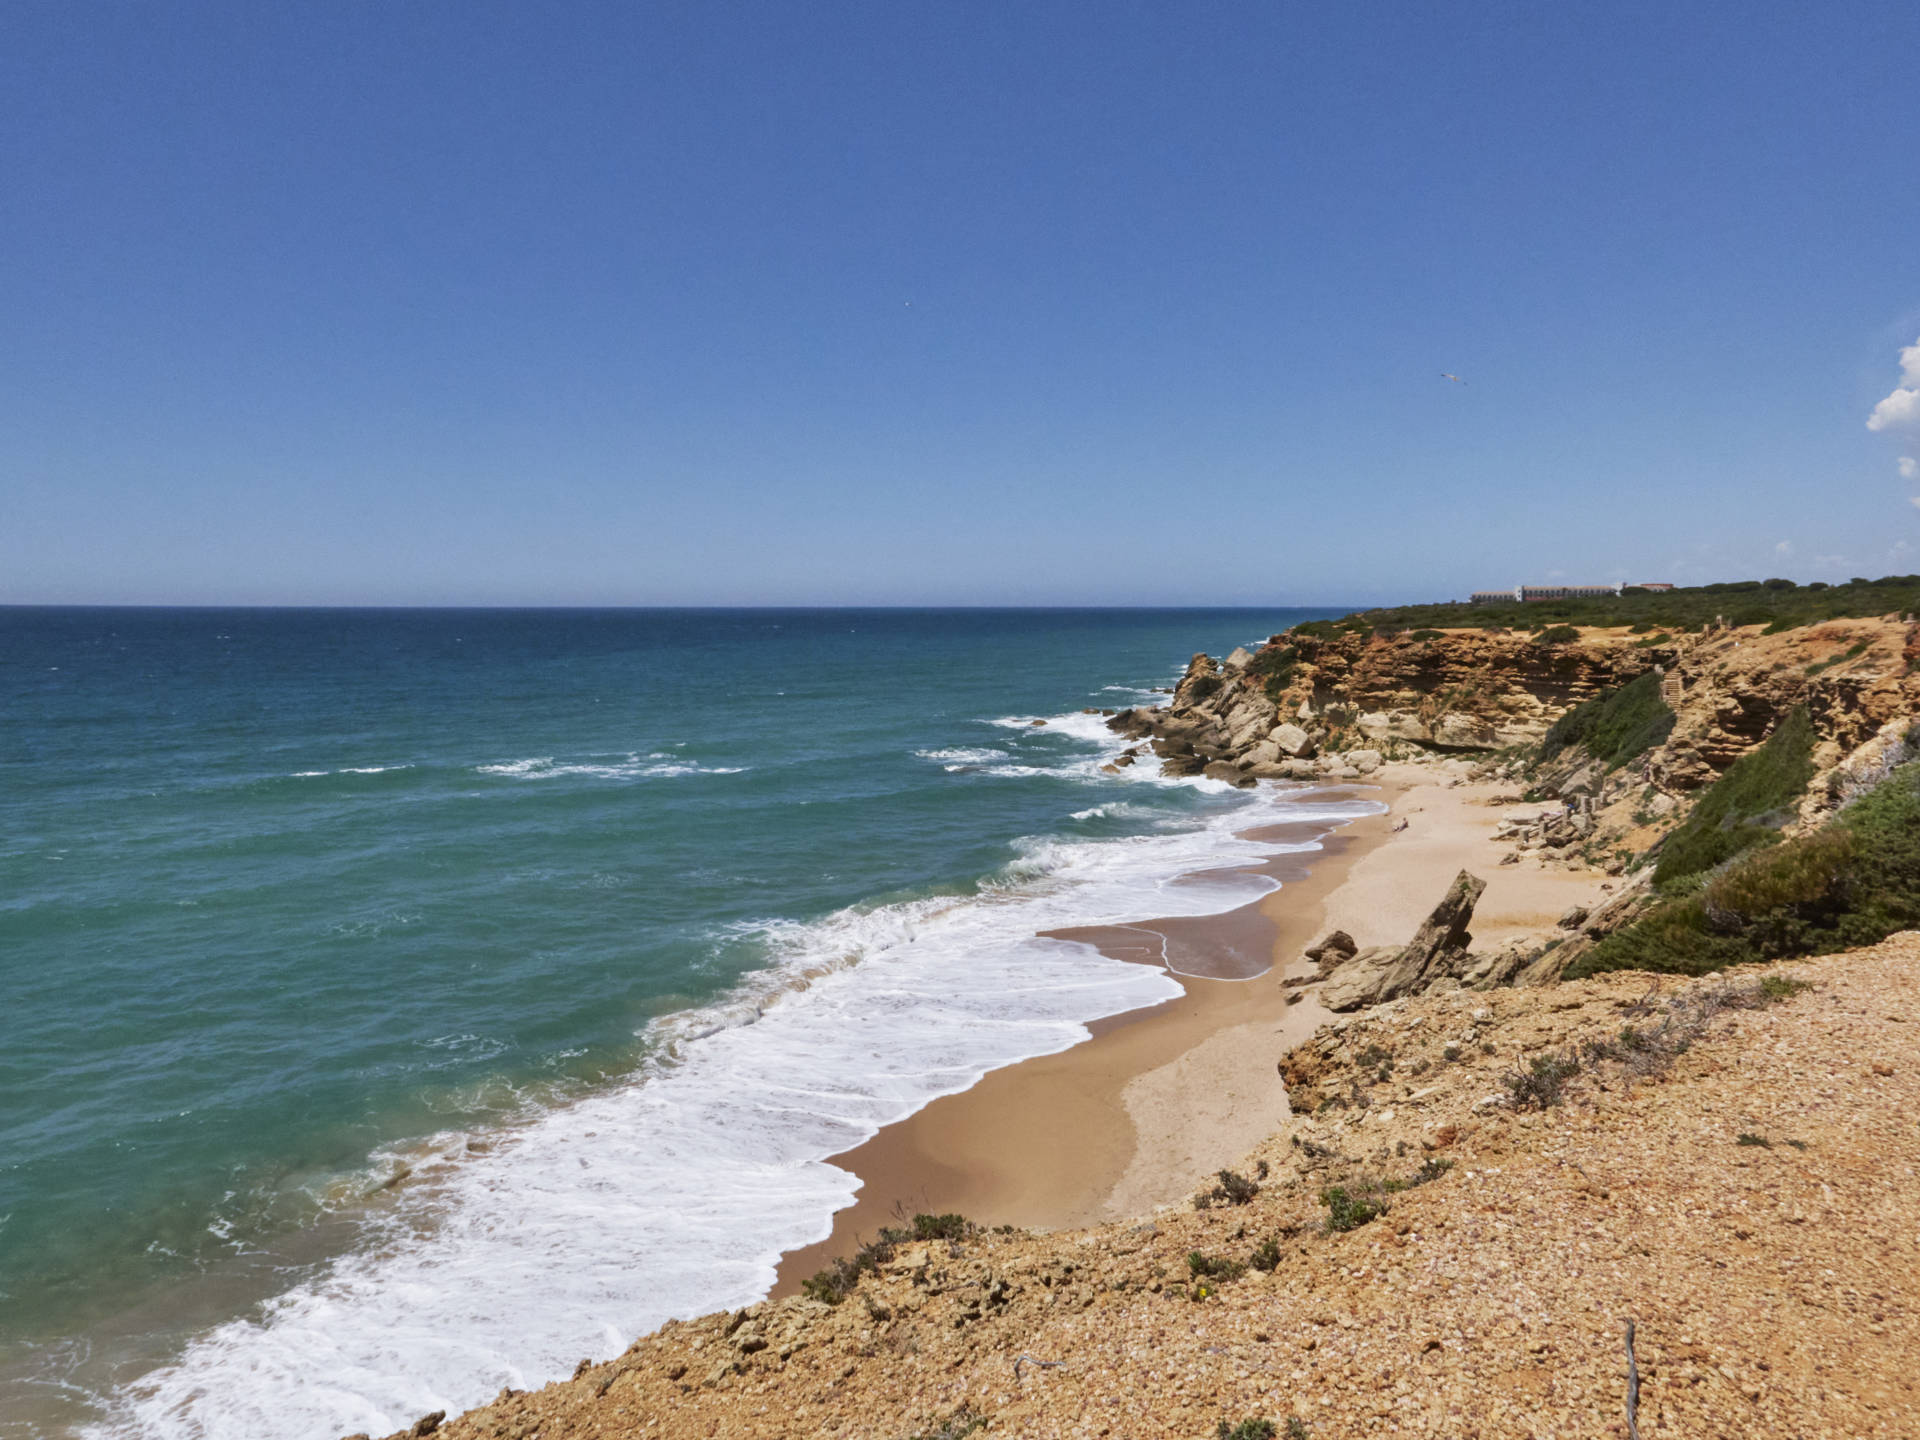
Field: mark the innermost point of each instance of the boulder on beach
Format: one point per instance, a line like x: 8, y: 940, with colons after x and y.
x: 1228, y: 771
x: 1362, y: 979
x: 1292, y: 741
x: 1332, y: 948
x: 1438, y: 949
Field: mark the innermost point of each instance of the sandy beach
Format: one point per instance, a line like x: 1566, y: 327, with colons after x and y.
x: 1137, y: 1116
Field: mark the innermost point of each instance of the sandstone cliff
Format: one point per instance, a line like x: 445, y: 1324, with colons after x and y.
x: 1308, y: 705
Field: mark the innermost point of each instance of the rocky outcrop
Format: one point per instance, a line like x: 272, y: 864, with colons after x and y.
x: 1437, y: 950
x: 1316, y: 706
x: 1308, y: 708
x: 1334, y: 948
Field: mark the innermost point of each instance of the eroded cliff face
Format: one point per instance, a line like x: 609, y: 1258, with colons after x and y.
x: 1730, y: 688
x: 1310, y: 706
x: 1457, y: 689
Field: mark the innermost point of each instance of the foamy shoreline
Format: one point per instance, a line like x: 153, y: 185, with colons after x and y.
x: 677, y: 1193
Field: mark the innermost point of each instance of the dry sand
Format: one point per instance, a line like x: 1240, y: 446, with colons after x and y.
x: 1138, y: 1116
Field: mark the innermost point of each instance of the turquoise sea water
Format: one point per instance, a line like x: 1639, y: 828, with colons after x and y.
x: 592, y: 932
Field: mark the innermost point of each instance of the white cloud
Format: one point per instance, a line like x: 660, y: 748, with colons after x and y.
x: 1901, y: 409
x: 1914, y: 500
x: 1909, y: 468
x: 1785, y: 547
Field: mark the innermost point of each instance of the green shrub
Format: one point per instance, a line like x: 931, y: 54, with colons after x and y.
x: 1540, y: 1085
x: 1266, y: 1255
x: 1774, y: 988
x: 1744, y: 806
x: 1316, y: 629
x: 1852, y: 652
x: 1854, y: 883
x: 1233, y: 1189
x: 1247, y: 1430
x: 1616, y: 725
x: 1780, y: 890
x: 842, y: 1277
x: 1426, y: 635
x: 1558, y: 635
x: 1348, y: 1212
x: 1274, y: 667
x: 1213, y: 1267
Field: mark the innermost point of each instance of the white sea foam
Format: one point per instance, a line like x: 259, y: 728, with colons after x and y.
x: 959, y: 756
x: 349, y: 770
x: 1114, y: 810
x: 606, y: 767
x: 675, y: 1193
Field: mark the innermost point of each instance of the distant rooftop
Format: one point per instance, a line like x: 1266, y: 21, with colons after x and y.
x: 1521, y: 594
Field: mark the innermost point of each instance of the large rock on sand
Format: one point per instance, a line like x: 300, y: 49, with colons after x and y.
x: 1438, y: 948
x: 1362, y: 979
x: 1335, y: 947
x: 1228, y: 771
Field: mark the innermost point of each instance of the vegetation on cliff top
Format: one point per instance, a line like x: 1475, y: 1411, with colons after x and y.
x: 1854, y: 883
x: 1778, y: 604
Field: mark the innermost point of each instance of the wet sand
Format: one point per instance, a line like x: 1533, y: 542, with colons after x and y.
x: 1128, y: 1119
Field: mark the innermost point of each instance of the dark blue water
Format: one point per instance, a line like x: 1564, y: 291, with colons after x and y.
x: 291, y: 901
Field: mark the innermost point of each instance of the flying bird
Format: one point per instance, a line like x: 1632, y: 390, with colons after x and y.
x: 1448, y: 375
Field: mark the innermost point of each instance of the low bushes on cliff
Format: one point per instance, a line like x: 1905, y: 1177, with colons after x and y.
x: 1853, y: 883
x: 1274, y: 667
x: 842, y: 1277
x: 1616, y: 725
x: 1691, y: 607
x: 1744, y: 806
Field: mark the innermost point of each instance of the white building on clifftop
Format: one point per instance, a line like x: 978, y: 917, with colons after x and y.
x: 1522, y: 594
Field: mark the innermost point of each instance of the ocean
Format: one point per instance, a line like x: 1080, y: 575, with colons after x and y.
x: 403, y: 1004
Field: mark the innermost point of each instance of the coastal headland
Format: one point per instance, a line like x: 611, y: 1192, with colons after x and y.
x: 1612, y: 1019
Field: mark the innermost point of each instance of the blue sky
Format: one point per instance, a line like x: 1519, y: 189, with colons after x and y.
x: 951, y: 303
